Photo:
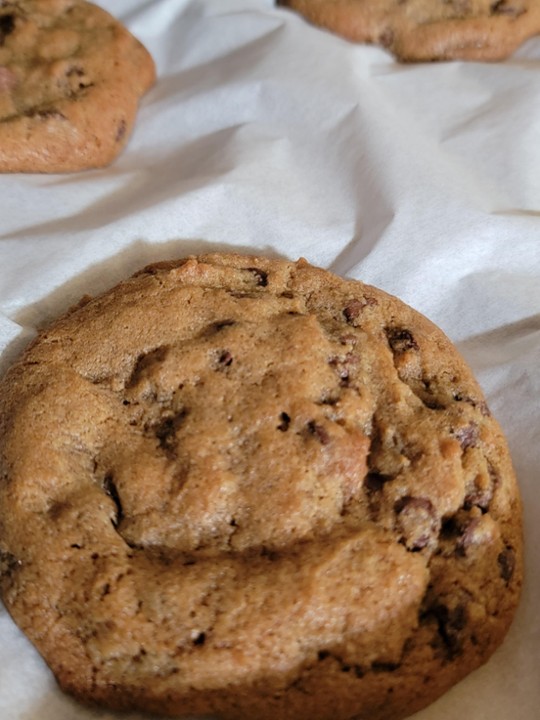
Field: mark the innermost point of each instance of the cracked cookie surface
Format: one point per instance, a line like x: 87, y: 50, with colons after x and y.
x: 71, y: 77
x: 249, y: 488
x: 424, y: 30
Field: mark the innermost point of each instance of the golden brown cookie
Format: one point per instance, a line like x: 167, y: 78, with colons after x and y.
x: 71, y: 77
x: 419, y: 30
x: 250, y: 488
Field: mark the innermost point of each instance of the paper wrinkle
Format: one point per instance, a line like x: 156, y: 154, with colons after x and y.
x: 267, y: 135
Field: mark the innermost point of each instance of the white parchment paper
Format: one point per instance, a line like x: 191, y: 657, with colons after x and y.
x: 265, y: 134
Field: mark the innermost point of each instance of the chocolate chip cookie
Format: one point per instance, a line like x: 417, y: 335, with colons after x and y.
x: 421, y: 30
x: 250, y: 488
x: 71, y: 77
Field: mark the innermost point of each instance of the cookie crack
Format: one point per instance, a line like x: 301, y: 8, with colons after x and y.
x: 110, y: 488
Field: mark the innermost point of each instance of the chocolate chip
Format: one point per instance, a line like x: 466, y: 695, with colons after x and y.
x: 343, y: 666
x: 478, y: 498
x: 449, y: 624
x: 285, y: 422
x: 319, y: 431
x: 261, y: 275
x: 375, y: 481
x: 507, y: 563
x: 7, y: 26
x: 8, y: 563
x: 78, y: 80
x: 467, y: 436
x: 468, y: 535
x: 417, y: 522
x: 401, y: 340
x: 122, y: 125
x: 200, y: 639
x: 354, y: 308
x: 225, y: 359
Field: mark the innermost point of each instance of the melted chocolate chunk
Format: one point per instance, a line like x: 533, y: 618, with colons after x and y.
x: 507, y: 563
x: 480, y: 498
x: 468, y: 436
x: 354, y: 308
x: 400, y: 340
x: 7, y: 26
x: 467, y: 537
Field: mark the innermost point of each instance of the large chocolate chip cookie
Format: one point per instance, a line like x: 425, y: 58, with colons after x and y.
x: 250, y: 488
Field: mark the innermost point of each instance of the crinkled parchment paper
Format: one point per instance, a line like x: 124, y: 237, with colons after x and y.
x: 265, y: 134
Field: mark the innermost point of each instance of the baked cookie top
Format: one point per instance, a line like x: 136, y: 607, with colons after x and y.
x: 423, y: 30
x: 248, y: 487
x: 71, y: 77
